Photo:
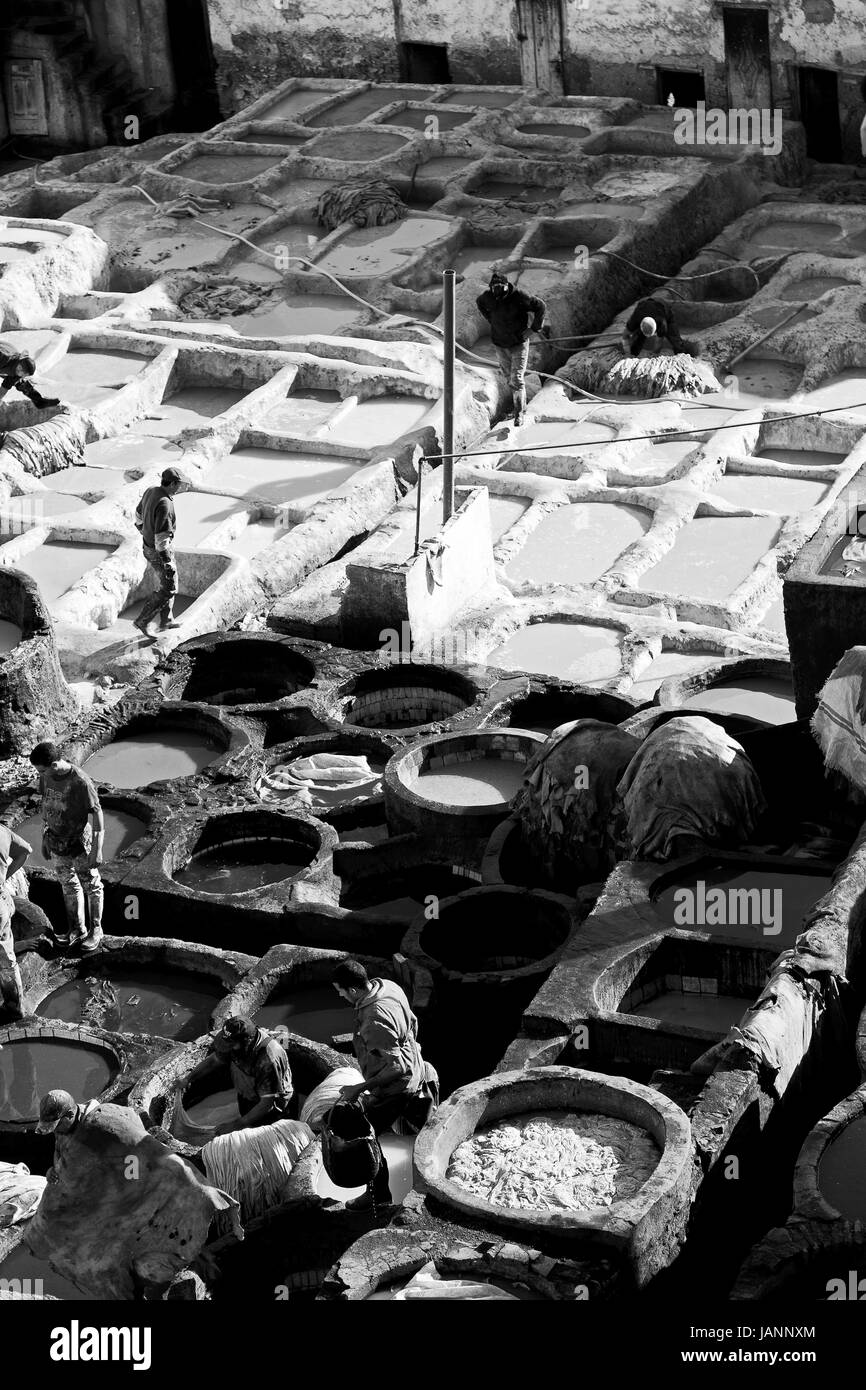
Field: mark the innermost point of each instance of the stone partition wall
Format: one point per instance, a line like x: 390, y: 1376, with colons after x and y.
x: 35, y: 701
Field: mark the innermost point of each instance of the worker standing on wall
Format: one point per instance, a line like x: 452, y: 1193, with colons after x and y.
x: 72, y: 837
x: 16, y: 369
x: 398, y: 1083
x: 13, y: 856
x: 260, y: 1073
x: 512, y: 316
x: 652, y: 319
x: 156, y: 520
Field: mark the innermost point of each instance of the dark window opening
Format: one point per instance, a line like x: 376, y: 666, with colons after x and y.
x: 687, y: 88
x: 424, y: 62
x: 197, y: 103
x: 819, y: 112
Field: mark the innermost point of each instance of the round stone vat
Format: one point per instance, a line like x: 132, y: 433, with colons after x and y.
x: 754, y: 688
x: 505, y: 858
x: 457, y: 786
x: 23, y: 1274
x: 409, y: 697
x: 162, y: 1095
x: 398, y: 891
x: 166, y: 747
x: 485, y: 1288
x: 242, y: 852
x: 542, y: 711
x: 140, y: 985
x: 759, y: 899
x: 242, y: 671
x: 381, y: 1263
x: 661, y: 1002
x: 805, y: 1261
x: 491, y: 937
x: 647, y: 1227
x: 345, y: 798
x: 37, y: 1058
x: 830, y: 1174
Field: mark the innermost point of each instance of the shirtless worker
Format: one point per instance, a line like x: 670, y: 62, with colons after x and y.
x: 156, y: 520
x: 72, y: 837
x: 16, y: 369
x: 13, y: 856
x: 512, y: 316
x: 652, y: 318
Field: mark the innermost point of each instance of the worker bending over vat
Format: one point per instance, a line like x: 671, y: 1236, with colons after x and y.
x: 651, y: 321
x: 260, y: 1073
x: 513, y: 316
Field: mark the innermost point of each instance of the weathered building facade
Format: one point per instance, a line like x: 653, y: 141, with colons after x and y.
x: 806, y: 57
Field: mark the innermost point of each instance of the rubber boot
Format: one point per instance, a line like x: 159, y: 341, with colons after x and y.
x: 519, y: 406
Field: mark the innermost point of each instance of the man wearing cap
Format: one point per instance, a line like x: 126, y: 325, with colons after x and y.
x: 73, y: 837
x: 652, y: 318
x: 512, y: 316
x: 13, y: 856
x: 155, y: 519
x: 260, y: 1073
x: 59, y: 1115
x: 16, y: 369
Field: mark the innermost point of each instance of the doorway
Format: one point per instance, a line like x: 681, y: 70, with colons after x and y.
x: 539, y: 32
x: 196, y: 104
x: 819, y: 112
x: 686, y: 88
x: 747, y: 59
x: 426, y: 63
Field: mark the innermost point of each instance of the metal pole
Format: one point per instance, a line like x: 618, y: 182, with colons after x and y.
x: 448, y: 284
x: 418, y: 506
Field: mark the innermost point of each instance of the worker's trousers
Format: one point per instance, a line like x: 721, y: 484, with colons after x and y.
x: 165, y: 572
x: 11, y: 988
x: 80, y: 879
x: 416, y: 1109
x: 513, y: 363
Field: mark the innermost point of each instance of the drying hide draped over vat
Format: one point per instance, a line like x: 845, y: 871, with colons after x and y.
x: 839, y: 723
x: 566, y: 804
x: 323, y: 779
x: 124, y: 1206
x: 690, y: 784
x: 47, y: 448
x: 255, y: 1165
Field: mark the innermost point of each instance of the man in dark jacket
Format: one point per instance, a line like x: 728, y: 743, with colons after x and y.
x: 652, y: 318
x: 512, y: 316
x: 398, y: 1083
x: 16, y: 369
x: 155, y: 519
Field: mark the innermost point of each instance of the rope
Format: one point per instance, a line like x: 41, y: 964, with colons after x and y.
x: 638, y: 438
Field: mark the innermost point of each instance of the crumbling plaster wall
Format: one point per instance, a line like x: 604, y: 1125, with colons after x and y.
x: 258, y: 47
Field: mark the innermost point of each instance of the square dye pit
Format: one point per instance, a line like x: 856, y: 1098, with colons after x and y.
x: 711, y: 557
